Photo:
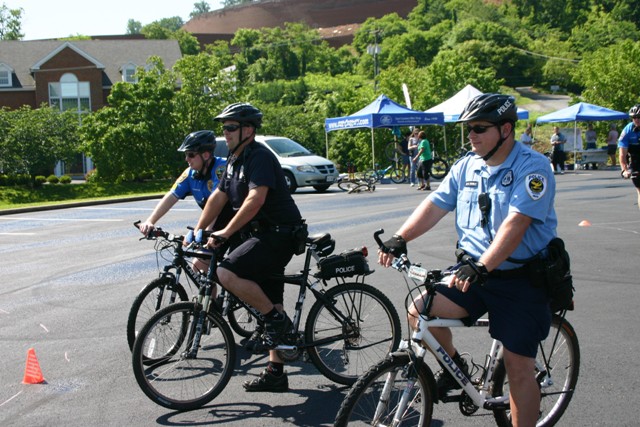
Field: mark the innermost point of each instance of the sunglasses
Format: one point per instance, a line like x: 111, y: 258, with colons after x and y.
x: 479, y: 128
x: 191, y: 154
x: 231, y: 128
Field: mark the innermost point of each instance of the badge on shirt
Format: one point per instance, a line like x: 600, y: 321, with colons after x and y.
x: 471, y: 184
x: 210, y: 185
x: 507, y: 179
x: 536, y: 185
x: 220, y: 171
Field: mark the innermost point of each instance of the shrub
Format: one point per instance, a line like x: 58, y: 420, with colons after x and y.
x: 92, y: 176
x: 52, y: 179
x: 4, y: 180
x: 39, y: 180
x: 65, y: 179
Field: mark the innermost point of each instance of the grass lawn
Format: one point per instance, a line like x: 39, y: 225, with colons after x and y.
x: 21, y: 196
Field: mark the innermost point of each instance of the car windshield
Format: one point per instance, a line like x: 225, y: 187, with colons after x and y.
x: 287, y: 148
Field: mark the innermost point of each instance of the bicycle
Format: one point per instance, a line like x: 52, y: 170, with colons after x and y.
x: 167, y: 289
x: 185, y: 354
x: 396, y: 175
x: 402, y: 388
x: 356, y: 185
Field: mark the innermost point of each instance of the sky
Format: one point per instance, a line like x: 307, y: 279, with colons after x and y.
x: 45, y: 19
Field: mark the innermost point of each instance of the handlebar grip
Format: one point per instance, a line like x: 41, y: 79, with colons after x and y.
x: 376, y: 237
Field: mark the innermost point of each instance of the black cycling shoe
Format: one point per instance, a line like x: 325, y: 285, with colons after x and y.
x: 445, y: 381
x: 275, y: 329
x: 254, y: 343
x: 268, y: 382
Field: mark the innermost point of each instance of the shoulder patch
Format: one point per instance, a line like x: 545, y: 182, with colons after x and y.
x: 536, y: 185
x: 219, y: 172
x: 185, y: 175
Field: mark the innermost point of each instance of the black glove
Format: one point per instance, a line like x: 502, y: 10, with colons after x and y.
x: 396, y: 246
x: 474, y: 272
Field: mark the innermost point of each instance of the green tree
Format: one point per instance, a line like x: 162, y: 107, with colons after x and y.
x: 138, y: 132
x: 134, y: 27
x: 10, y: 23
x: 601, y: 30
x: 607, y: 75
x: 33, y: 140
x: 200, y: 8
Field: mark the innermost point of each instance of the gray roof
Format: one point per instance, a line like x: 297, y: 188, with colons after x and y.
x: 109, y: 55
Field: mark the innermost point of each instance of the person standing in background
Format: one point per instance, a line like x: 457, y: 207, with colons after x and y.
x: 591, y: 139
x: 527, y: 136
x: 413, y: 149
x: 612, y: 143
x: 425, y: 159
x: 557, y: 142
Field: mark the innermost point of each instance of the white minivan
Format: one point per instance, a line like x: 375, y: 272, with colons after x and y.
x: 301, y: 167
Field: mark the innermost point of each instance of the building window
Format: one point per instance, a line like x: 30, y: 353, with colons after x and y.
x: 129, y: 73
x: 70, y: 94
x: 5, y: 76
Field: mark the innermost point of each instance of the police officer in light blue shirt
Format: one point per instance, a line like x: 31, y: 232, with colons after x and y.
x: 629, y: 144
x: 199, y: 179
x: 503, y: 195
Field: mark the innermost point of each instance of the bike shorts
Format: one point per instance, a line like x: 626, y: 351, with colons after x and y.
x: 260, y: 257
x: 519, y: 314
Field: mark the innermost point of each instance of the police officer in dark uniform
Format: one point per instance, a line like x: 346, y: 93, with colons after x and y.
x: 629, y: 144
x: 266, y: 218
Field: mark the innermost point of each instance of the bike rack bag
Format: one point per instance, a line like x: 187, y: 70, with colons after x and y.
x: 346, y: 264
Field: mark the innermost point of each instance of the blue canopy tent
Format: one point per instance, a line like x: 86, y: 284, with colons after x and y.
x: 381, y: 113
x: 581, y: 112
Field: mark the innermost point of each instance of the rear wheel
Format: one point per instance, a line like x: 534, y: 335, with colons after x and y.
x: 557, y: 369
x: 179, y: 378
x: 439, y: 168
x: 371, y: 331
x: 347, y: 185
x: 156, y: 295
x: 377, y: 398
x: 241, y: 320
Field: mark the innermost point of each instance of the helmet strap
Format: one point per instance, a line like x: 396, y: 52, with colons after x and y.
x: 242, y: 141
x: 204, y: 170
x: 498, y: 144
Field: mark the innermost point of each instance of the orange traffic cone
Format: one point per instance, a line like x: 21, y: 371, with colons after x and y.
x: 32, y: 373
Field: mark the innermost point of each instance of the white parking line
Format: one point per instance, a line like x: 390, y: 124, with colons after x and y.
x: 17, y: 234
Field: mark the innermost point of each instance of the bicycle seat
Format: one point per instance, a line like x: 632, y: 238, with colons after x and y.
x: 323, y: 242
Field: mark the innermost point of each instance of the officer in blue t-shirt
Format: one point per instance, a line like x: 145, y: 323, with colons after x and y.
x: 199, y: 179
x: 629, y: 144
x: 503, y: 195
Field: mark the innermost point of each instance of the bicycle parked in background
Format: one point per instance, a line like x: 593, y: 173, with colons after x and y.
x: 401, y: 389
x: 392, y: 171
x: 184, y: 355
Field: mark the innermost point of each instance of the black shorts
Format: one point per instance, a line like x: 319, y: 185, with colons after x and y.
x: 259, y: 258
x: 611, y: 149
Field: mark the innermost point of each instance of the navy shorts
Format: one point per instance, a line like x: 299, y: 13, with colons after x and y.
x: 519, y: 314
x: 259, y: 258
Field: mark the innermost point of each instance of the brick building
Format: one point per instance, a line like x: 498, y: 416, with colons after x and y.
x: 73, y: 75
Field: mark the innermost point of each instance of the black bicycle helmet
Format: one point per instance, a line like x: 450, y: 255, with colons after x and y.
x: 241, y: 112
x: 634, y: 112
x: 202, y: 140
x: 491, y: 107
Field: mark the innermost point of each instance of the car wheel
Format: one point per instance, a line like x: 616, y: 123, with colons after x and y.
x: 321, y: 188
x: 291, y: 182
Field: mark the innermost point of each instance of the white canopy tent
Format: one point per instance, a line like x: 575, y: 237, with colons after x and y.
x: 452, y: 108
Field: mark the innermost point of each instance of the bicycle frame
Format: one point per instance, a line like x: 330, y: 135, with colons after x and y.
x: 302, y: 280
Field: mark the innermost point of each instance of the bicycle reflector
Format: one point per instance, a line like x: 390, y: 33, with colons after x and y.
x: 365, y: 251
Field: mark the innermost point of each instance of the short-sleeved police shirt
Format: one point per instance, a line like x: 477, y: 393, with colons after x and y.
x: 200, y: 189
x: 255, y: 167
x: 630, y: 139
x: 523, y: 183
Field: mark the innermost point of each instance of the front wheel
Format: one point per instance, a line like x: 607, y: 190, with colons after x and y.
x: 557, y: 369
x: 181, y: 377
x: 439, y: 168
x: 358, y: 327
x: 371, y: 176
x: 157, y: 294
x: 393, y: 392
x: 397, y: 176
x: 347, y: 185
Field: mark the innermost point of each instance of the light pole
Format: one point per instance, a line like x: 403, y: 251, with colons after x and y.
x: 374, y: 49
